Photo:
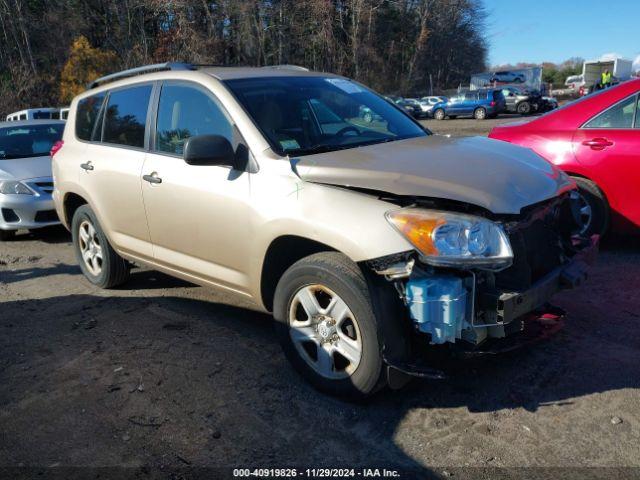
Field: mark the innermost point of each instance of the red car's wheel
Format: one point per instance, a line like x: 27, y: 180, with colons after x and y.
x: 594, y: 209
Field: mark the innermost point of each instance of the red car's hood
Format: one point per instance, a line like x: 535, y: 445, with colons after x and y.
x: 498, y: 176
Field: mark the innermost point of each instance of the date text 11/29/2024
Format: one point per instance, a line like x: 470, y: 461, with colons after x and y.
x: 316, y: 473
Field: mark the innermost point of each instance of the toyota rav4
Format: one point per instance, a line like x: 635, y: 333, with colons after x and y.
x: 372, y: 243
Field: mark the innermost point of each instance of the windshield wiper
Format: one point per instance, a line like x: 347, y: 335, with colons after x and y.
x: 323, y: 148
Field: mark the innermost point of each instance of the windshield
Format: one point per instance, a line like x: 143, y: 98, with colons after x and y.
x: 307, y: 115
x: 28, y: 140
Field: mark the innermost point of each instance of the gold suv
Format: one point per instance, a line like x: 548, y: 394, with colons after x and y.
x: 372, y: 241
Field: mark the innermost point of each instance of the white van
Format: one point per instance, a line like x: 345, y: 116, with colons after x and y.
x: 35, y: 114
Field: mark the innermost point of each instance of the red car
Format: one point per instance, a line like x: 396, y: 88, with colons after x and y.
x: 596, y: 140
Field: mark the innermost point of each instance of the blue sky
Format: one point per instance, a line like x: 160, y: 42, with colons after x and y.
x: 555, y: 30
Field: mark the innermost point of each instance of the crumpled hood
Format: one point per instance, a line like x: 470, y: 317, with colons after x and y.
x: 499, y: 176
x: 25, y: 168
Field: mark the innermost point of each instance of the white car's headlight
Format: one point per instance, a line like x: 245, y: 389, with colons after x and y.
x: 454, y: 240
x: 11, y: 187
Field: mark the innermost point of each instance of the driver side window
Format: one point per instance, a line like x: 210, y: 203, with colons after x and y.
x: 185, y: 111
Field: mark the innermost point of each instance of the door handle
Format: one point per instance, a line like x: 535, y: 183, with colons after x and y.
x: 153, y: 178
x: 86, y: 166
x: 597, y: 143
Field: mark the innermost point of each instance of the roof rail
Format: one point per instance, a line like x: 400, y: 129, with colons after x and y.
x: 132, y: 72
x: 287, y: 67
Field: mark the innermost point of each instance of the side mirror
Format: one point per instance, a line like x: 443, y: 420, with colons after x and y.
x: 209, y: 150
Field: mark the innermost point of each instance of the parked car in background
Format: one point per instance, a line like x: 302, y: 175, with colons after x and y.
x: 507, y: 77
x: 427, y: 103
x: 479, y: 104
x: 573, y: 84
x: 368, y: 243
x: 411, y: 106
x: 520, y: 101
x: 596, y: 140
x: 548, y: 103
x: 418, y: 110
x: 35, y: 114
x: 25, y: 175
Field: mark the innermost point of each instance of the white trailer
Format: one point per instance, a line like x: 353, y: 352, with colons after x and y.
x: 620, y: 68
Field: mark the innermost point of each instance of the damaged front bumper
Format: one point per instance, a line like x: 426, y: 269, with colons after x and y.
x: 465, y: 312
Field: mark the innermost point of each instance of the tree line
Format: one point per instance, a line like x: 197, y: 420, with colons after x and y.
x: 51, y: 48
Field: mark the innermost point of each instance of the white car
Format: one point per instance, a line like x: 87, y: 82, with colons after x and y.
x: 26, y: 182
x: 427, y: 103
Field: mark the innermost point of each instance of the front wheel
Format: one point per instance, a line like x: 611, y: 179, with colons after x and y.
x: 524, y: 108
x: 594, y: 209
x: 98, y: 260
x: 327, y: 327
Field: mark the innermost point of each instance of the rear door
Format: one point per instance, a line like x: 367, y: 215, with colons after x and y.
x: 455, y: 105
x: 112, y: 167
x: 608, y: 145
x: 199, y: 216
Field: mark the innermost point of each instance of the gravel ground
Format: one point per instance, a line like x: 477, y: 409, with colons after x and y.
x: 465, y: 126
x: 161, y: 375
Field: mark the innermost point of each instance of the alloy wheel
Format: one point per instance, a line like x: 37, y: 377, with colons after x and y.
x: 325, y: 332
x: 90, y: 247
x: 586, y: 213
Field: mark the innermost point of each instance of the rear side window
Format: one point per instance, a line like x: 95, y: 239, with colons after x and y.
x: 471, y: 96
x: 126, y: 116
x: 619, y: 116
x: 187, y: 111
x: 86, y: 115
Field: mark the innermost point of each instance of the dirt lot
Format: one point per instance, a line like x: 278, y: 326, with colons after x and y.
x: 466, y: 126
x: 161, y: 375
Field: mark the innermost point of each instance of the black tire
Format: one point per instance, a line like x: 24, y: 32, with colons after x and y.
x: 480, y: 113
x: 523, y: 108
x: 6, y: 235
x: 439, y: 114
x: 114, y: 270
x: 340, y: 275
x: 597, y: 202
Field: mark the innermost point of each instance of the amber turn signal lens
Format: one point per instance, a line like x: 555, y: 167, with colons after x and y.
x: 417, y: 229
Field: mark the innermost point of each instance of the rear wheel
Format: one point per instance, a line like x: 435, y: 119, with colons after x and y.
x: 327, y: 327
x: 6, y: 235
x: 480, y: 113
x: 98, y: 260
x: 594, y: 208
x: 439, y: 114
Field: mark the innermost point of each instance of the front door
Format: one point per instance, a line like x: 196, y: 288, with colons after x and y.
x: 199, y: 216
x: 112, y: 166
x: 608, y: 146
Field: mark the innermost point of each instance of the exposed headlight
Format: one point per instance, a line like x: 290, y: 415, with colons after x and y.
x: 14, y: 188
x: 454, y: 240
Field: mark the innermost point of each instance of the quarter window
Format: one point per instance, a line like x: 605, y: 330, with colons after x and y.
x: 618, y: 116
x: 88, y: 109
x: 637, y: 124
x: 126, y: 116
x: 184, y: 112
